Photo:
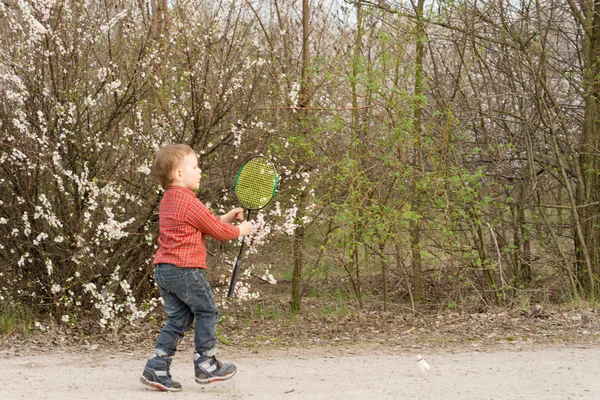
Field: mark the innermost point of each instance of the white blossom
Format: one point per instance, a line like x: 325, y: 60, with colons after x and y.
x: 55, y: 288
x: 294, y: 94
x: 49, y: 266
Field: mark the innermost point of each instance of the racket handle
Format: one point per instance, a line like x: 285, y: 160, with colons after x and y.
x: 234, y: 276
x: 236, y: 267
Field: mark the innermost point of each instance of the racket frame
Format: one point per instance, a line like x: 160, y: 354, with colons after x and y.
x: 238, y: 261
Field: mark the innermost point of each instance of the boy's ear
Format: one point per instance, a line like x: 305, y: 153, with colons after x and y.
x: 177, y: 175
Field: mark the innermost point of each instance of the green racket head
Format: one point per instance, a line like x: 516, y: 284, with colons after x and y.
x: 256, y: 183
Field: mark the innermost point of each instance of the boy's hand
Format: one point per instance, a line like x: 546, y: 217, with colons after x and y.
x: 237, y: 214
x: 245, y: 228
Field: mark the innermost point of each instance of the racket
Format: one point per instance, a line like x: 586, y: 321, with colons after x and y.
x: 255, y: 186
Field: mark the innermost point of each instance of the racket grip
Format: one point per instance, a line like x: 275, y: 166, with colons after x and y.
x: 238, y: 262
x: 234, y: 277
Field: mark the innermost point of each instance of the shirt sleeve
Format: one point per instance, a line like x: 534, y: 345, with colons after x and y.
x: 200, y: 217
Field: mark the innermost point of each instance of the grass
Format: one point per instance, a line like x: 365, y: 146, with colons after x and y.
x: 221, y: 336
x: 263, y: 338
x: 336, y: 307
x: 14, y: 319
x: 260, y: 312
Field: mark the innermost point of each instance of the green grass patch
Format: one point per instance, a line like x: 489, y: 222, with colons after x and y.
x: 261, y: 312
x: 221, y: 337
x: 563, y: 337
x: 14, y: 319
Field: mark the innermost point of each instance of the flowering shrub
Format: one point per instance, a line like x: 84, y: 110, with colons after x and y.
x: 89, y: 96
x: 383, y: 177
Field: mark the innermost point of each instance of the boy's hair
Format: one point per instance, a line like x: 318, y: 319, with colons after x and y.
x: 166, y: 160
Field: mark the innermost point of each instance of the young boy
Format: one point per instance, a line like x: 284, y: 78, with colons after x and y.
x: 184, y: 223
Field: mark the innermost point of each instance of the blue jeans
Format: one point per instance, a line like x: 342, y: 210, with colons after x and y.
x: 187, y: 294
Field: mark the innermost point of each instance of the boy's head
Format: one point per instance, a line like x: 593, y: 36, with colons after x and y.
x: 176, y: 165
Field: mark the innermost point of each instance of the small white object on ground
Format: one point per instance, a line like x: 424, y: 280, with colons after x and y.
x: 423, y: 366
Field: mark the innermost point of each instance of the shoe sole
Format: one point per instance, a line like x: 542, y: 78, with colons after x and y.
x: 215, y: 378
x: 158, y: 386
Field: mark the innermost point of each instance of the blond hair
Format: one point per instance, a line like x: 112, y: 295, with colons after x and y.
x: 166, y: 160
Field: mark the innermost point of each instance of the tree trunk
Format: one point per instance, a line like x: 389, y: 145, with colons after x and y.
x: 588, y: 189
x: 298, y: 244
x: 486, y: 264
x: 521, y: 241
x: 384, y: 274
x: 417, y: 268
x: 415, y: 232
x: 160, y: 18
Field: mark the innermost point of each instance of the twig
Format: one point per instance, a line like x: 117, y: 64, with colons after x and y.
x: 260, y: 278
x: 313, y: 108
x: 499, y: 260
x: 412, y: 301
x: 569, y: 207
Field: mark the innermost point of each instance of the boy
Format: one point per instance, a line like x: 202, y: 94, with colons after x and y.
x: 178, y: 269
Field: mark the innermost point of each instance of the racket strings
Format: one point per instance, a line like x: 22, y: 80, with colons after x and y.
x: 256, y: 183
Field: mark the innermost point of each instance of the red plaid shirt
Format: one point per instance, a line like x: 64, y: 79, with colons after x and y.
x: 184, y: 223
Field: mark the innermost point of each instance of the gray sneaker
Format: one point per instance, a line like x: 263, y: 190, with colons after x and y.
x: 156, y: 374
x: 209, y: 369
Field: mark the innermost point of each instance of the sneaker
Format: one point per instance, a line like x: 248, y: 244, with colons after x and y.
x: 156, y: 374
x: 209, y: 369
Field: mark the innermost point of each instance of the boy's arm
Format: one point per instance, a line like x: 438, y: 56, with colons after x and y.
x: 202, y: 219
x: 237, y: 214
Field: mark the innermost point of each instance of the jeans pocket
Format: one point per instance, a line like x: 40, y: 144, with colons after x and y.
x: 201, y: 276
x: 174, y: 277
x: 171, y: 277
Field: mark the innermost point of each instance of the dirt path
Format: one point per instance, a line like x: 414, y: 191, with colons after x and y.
x: 531, y: 373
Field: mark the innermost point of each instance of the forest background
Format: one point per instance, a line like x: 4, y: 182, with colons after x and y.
x: 438, y: 155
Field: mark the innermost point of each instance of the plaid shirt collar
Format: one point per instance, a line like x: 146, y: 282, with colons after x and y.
x: 182, y: 189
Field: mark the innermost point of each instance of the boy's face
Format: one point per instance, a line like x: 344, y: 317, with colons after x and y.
x: 188, y: 174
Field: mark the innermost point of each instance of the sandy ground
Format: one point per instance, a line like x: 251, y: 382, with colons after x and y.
x: 392, y: 373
